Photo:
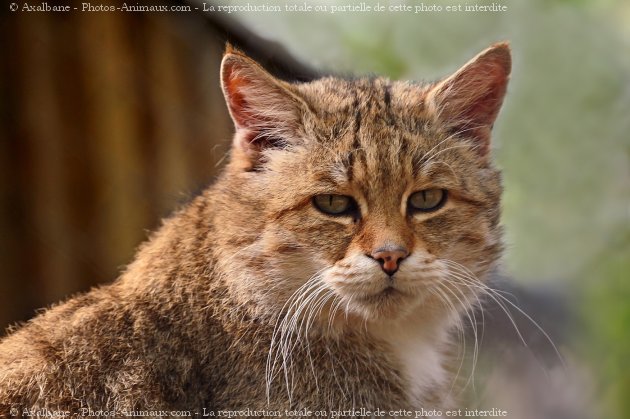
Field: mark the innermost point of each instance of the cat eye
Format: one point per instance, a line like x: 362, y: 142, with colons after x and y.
x: 335, y: 204
x: 427, y: 200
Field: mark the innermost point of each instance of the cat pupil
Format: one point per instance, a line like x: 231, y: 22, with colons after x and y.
x: 334, y: 204
x: 427, y: 200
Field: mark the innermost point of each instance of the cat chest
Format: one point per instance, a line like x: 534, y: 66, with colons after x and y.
x: 421, y: 358
x: 422, y: 368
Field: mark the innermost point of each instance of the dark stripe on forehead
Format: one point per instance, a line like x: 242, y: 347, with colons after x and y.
x: 356, y: 141
x: 356, y: 105
x: 387, y: 100
x: 357, y: 114
x: 404, y: 145
x: 350, y: 165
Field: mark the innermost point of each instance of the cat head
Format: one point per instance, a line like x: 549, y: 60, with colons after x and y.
x: 371, y: 197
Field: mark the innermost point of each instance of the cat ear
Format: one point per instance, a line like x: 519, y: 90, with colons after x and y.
x: 468, y: 101
x: 266, y: 111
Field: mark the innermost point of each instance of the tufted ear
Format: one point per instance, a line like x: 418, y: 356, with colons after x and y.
x: 468, y: 102
x: 266, y: 111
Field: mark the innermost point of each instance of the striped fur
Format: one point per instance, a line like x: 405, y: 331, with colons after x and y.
x: 251, y: 298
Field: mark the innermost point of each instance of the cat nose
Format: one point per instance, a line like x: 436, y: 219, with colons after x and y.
x: 389, y: 258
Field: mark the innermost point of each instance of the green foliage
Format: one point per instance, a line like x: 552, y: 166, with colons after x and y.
x: 606, y: 312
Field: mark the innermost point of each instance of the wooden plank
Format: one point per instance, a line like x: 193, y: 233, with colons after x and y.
x: 172, y: 171
x: 39, y: 120
x: 112, y: 117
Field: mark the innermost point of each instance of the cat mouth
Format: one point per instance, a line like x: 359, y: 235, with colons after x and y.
x: 386, y: 301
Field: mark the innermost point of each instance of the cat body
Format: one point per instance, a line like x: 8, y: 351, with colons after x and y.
x: 326, y: 269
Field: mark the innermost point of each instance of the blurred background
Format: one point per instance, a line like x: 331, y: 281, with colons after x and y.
x: 110, y: 121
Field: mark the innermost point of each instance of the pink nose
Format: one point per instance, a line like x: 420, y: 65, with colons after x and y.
x: 389, y: 258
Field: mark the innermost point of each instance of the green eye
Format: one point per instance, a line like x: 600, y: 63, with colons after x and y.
x: 427, y: 200
x: 334, y: 204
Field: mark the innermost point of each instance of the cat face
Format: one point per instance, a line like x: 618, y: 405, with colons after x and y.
x: 378, y: 198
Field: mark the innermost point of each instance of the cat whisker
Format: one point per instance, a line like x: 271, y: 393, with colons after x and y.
x: 314, y: 312
x: 466, y: 275
x: 483, y: 290
x: 427, y: 156
x: 348, y: 302
x: 334, y: 311
x: 460, y: 352
x: 333, y: 363
x: 292, y: 328
x: 280, y: 330
x: 470, y: 313
x: 453, y: 172
x: 470, y: 309
x: 461, y: 145
x: 460, y: 330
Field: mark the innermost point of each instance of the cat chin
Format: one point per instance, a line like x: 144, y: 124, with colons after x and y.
x: 388, y: 305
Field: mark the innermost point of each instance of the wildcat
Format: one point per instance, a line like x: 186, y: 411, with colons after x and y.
x: 329, y: 267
